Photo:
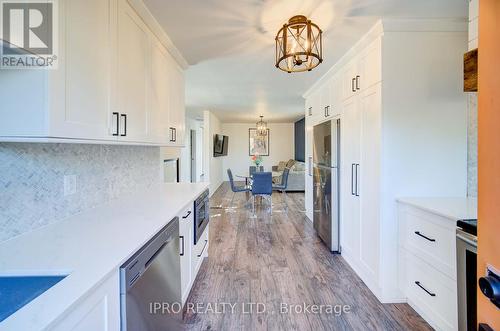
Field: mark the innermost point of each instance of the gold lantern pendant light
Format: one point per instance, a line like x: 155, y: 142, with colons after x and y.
x: 261, y: 128
x: 299, y: 45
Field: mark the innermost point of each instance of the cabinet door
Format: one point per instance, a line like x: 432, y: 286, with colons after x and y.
x: 80, y: 101
x: 350, y: 131
x: 160, y: 97
x: 370, y: 65
x: 309, y: 169
x: 349, y: 79
x: 325, y: 100
x: 177, y: 103
x: 186, y: 243
x: 335, y: 87
x: 133, y: 74
x: 370, y: 171
x: 99, y: 311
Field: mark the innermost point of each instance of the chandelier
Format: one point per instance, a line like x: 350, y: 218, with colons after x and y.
x: 261, y: 128
x: 299, y: 45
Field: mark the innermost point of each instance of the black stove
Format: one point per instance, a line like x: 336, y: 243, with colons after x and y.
x: 469, y: 226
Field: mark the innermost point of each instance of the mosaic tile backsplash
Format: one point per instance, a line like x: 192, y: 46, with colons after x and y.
x: 32, y: 180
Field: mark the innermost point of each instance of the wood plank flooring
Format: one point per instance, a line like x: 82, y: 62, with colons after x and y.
x: 276, y: 262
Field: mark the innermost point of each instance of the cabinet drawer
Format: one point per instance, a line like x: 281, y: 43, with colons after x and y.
x: 432, y: 294
x: 430, y: 237
x: 199, y: 252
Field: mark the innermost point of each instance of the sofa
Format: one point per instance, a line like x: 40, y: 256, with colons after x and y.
x: 297, y: 176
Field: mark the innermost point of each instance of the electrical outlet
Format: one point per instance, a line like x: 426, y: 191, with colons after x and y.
x: 69, y: 185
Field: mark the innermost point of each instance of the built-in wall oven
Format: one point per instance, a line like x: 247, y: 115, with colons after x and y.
x: 467, y: 274
x: 201, y: 215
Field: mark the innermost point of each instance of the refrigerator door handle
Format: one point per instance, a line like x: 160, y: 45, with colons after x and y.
x: 352, y: 179
x: 357, y: 181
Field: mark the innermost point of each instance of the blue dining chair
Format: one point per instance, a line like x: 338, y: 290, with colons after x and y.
x: 235, y: 188
x: 262, y: 185
x: 283, y: 185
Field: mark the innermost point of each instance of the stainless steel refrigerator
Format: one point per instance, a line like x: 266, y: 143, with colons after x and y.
x: 326, y: 157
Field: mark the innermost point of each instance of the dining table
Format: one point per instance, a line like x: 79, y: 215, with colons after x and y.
x: 248, y: 176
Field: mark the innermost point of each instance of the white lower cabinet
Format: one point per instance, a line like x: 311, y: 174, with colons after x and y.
x: 199, y: 252
x: 191, y: 255
x: 186, y: 219
x: 99, y: 311
x: 427, y: 265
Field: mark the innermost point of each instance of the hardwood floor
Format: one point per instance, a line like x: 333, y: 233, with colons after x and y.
x: 278, y: 261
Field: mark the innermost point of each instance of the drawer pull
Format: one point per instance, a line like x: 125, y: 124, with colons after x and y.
x: 423, y: 288
x: 425, y: 237
x: 203, y: 250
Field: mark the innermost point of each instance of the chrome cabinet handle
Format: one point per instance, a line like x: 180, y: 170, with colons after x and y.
x: 423, y: 236
x: 357, y: 82
x: 423, y: 288
x: 352, y: 85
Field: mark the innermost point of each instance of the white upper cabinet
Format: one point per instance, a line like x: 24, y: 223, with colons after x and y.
x: 82, y: 84
x: 177, y: 104
x: 117, y: 82
x: 160, y: 99
x: 132, y: 103
x: 370, y: 65
x: 350, y: 79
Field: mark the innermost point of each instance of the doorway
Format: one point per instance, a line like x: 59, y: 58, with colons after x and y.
x: 193, y: 153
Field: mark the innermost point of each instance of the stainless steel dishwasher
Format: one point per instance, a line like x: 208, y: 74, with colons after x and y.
x: 150, y: 284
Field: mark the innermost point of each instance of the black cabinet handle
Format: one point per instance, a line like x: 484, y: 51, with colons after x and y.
x: 310, y: 111
x: 425, y: 237
x: 187, y: 215
x: 423, y: 288
x: 352, y: 85
x: 182, y: 245
x: 352, y: 179
x: 124, y: 116
x: 117, y: 132
x: 357, y: 182
x: 203, y: 250
x: 171, y: 134
x: 357, y: 82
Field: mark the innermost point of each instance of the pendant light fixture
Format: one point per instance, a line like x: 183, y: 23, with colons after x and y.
x: 299, y: 45
x: 261, y: 127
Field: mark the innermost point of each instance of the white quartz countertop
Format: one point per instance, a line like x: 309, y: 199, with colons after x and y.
x: 89, y: 247
x: 452, y: 208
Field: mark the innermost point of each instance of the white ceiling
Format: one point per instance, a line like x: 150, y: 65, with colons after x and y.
x: 230, y: 47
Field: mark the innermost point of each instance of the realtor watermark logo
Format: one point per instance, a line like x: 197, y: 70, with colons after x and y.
x: 29, y: 34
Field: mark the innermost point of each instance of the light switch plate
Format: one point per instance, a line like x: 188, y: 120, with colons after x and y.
x: 69, y: 185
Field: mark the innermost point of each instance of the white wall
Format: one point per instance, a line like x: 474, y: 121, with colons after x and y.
x: 211, y: 164
x: 281, y: 146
